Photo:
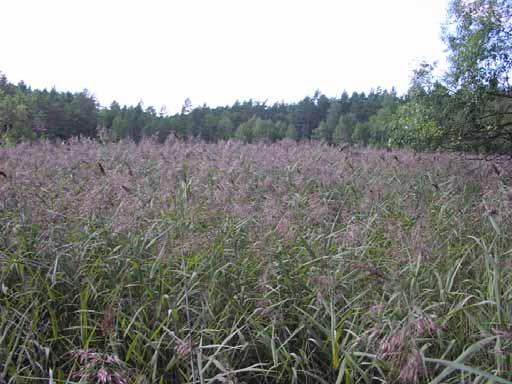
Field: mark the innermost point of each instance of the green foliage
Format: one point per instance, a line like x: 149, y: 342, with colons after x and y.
x: 469, y: 109
x: 55, y: 115
x: 479, y: 38
x: 45, y: 114
x: 257, y: 129
x: 225, y: 128
x: 245, y: 132
x: 326, y: 129
x: 344, y: 129
x: 291, y: 132
x: 321, y: 133
x: 411, y: 126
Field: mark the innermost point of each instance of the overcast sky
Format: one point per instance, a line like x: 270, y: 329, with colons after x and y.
x: 217, y: 51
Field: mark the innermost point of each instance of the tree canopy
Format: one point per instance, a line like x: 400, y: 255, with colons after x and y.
x: 468, y: 108
x: 479, y: 39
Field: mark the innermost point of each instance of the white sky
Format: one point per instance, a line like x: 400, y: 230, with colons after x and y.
x: 217, y: 51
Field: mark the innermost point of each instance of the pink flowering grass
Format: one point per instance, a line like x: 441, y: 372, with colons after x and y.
x: 192, y: 262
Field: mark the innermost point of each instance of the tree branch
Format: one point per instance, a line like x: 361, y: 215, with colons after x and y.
x: 498, y: 94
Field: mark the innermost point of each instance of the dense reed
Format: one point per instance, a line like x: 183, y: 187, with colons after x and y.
x: 211, y: 263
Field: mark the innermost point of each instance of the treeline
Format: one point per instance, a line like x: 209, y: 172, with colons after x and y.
x: 469, y: 107
x: 317, y: 117
x: 32, y: 114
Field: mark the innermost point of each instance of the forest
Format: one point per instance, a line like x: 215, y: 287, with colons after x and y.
x: 466, y: 108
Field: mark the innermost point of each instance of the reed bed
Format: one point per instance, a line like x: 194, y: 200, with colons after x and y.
x: 188, y: 262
